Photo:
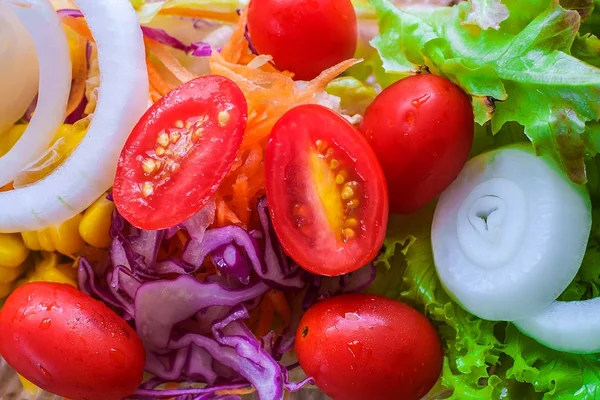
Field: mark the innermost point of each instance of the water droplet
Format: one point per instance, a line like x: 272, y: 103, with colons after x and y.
x: 355, y: 348
x: 44, y: 371
x: 419, y: 101
x: 45, y: 324
x: 352, y: 316
x: 410, y: 119
x: 117, y: 357
x: 353, y: 366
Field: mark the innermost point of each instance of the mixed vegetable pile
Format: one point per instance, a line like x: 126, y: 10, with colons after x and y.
x: 213, y: 199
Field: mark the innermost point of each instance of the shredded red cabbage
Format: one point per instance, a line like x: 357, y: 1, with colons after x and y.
x: 194, y: 330
x: 199, y: 49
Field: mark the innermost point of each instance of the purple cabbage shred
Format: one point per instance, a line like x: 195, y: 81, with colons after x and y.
x: 194, y: 330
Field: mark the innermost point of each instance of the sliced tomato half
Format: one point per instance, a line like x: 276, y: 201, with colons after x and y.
x: 179, y: 152
x: 326, y: 191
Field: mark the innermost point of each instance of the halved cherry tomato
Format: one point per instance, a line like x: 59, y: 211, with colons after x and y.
x: 303, y: 36
x: 326, y: 190
x: 421, y: 129
x: 69, y: 344
x: 360, y: 346
x: 179, y: 152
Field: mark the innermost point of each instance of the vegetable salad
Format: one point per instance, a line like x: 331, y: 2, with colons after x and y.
x: 375, y: 199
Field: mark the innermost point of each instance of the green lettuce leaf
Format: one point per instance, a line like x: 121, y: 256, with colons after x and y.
x: 354, y: 94
x: 587, y: 48
x: 522, y: 72
x: 559, y: 376
x: 487, y: 14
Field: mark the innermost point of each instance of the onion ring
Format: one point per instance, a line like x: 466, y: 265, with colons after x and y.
x: 122, y: 99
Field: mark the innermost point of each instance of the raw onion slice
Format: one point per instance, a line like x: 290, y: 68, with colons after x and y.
x: 122, y: 99
x: 509, y: 234
x: 18, y: 68
x: 42, y: 23
x: 572, y: 326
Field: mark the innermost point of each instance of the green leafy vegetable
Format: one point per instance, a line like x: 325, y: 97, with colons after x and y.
x: 522, y: 72
x: 355, y: 95
x: 487, y: 14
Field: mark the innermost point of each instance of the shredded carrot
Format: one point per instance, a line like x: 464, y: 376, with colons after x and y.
x: 78, y: 25
x: 154, y: 95
x: 168, y: 60
x: 80, y: 74
x: 237, y: 45
x: 267, y: 312
x: 8, y: 187
x: 197, y: 13
x: 282, y: 307
x: 156, y: 81
x: 234, y: 392
x: 224, y: 215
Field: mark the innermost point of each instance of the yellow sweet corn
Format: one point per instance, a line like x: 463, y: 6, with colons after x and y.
x: 63, y: 238
x: 95, y: 225
x: 12, y: 250
x: 5, y: 289
x: 28, y: 387
x: 10, y: 274
x: 47, y: 269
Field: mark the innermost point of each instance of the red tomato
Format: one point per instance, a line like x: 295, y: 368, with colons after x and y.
x: 360, y: 346
x: 69, y: 344
x: 326, y: 191
x: 303, y: 36
x: 179, y: 152
x: 421, y: 128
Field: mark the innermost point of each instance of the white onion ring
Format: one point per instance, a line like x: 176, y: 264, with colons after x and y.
x: 122, y: 99
x: 43, y: 24
x: 572, y: 326
x: 18, y: 68
x: 509, y: 234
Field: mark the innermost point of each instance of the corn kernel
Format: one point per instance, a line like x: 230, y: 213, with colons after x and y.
x: 45, y: 240
x: 65, y: 237
x: 28, y: 387
x: 9, y: 274
x: 31, y: 240
x: 94, y: 227
x: 5, y: 289
x: 12, y: 250
x: 47, y: 269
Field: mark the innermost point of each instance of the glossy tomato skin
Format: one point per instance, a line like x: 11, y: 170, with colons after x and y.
x: 303, y: 36
x: 299, y: 218
x: 69, y: 344
x: 421, y: 128
x: 163, y: 179
x: 361, y: 346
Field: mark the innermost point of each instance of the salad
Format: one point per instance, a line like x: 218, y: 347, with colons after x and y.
x: 222, y: 199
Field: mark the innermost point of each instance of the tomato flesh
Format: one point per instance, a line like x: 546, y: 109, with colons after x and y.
x: 303, y: 36
x: 326, y: 191
x: 69, y: 344
x: 360, y: 346
x: 179, y: 152
x: 421, y: 128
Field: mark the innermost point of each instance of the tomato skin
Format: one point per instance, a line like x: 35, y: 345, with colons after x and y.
x: 308, y: 238
x: 69, y: 344
x: 421, y: 128
x: 202, y: 161
x: 303, y: 36
x: 361, y: 346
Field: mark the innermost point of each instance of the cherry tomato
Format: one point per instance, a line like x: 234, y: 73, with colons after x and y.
x: 360, y: 346
x: 421, y: 128
x: 179, y: 152
x: 69, y: 344
x: 326, y: 191
x: 303, y: 36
